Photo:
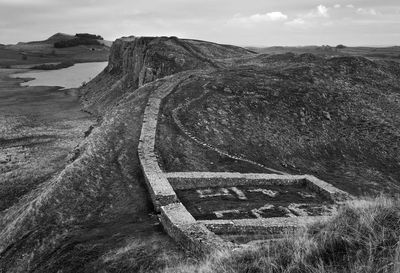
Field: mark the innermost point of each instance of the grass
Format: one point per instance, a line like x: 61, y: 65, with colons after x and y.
x: 304, y: 117
x: 142, y: 256
x: 362, y: 238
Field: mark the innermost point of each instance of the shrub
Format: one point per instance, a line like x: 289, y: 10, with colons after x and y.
x: 53, y: 66
x: 75, y: 42
x: 89, y: 36
x: 340, y: 46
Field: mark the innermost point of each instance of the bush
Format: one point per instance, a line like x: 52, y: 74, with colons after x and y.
x: 75, y: 42
x: 340, y: 46
x: 89, y: 36
x: 53, y: 66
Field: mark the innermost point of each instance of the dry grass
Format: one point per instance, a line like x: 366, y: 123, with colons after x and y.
x: 363, y: 238
x: 141, y: 256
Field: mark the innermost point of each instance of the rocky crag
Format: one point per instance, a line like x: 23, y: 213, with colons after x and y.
x: 135, y: 61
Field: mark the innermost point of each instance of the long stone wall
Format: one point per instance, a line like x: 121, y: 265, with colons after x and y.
x: 160, y: 190
x: 174, y: 217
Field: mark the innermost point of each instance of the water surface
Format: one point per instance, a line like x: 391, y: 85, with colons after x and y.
x: 70, y: 77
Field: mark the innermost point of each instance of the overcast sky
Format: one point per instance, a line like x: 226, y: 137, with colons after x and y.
x: 240, y: 22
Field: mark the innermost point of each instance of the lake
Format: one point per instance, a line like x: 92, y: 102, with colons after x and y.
x: 70, y: 77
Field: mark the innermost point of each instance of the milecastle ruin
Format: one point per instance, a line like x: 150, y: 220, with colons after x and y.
x: 207, y: 210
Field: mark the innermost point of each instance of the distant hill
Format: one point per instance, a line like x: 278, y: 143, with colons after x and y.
x: 74, y: 49
x: 106, y: 43
x: 389, y: 52
x: 58, y: 37
x: 62, y: 37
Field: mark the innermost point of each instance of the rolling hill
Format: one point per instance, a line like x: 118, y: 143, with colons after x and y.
x: 39, y: 52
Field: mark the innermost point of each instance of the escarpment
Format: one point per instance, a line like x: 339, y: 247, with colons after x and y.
x: 135, y: 61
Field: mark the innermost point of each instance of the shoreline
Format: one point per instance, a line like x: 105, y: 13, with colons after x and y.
x: 39, y: 129
x: 65, y: 77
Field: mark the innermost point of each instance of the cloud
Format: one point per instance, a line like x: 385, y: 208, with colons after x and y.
x: 298, y: 22
x: 258, y: 18
x: 337, y: 6
x: 271, y: 16
x: 350, y: 6
x: 19, y: 3
x: 322, y: 11
x: 369, y: 11
x: 259, y: 23
x: 309, y: 19
x: 319, y: 11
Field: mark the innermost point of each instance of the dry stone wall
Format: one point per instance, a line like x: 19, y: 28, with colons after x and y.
x: 176, y: 220
x: 192, y: 180
x: 271, y: 227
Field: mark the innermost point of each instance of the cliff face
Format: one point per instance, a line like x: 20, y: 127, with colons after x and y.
x: 146, y: 59
x: 135, y: 61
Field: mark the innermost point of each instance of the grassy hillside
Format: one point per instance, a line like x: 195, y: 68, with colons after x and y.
x: 95, y: 206
x: 362, y: 238
x: 336, y: 118
x: 39, y: 126
x: 389, y: 53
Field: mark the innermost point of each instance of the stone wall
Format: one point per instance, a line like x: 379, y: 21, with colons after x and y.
x: 267, y: 227
x: 174, y: 217
x: 160, y: 190
x: 192, y: 180
x: 188, y: 232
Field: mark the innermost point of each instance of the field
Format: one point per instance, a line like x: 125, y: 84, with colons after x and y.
x: 40, y: 126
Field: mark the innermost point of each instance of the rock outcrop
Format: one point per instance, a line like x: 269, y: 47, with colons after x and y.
x: 135, y: 61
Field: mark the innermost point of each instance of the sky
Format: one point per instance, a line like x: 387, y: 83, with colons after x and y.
x: 239, y: 22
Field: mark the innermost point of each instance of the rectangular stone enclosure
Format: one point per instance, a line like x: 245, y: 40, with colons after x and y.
x: 247, y: 202
x: 269, y: 204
